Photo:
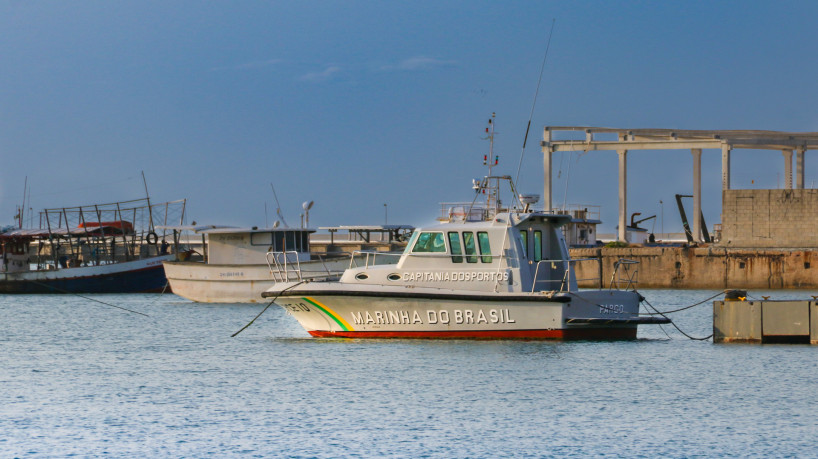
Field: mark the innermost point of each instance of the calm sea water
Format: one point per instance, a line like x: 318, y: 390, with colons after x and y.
x: 78, y: 378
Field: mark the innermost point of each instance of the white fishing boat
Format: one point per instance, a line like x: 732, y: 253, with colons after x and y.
x: 235, y: 266
x: 505, y: 274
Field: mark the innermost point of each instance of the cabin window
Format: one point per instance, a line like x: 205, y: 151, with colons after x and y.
x: 537, y: 245
x: 454, y: 242
x: 485, y: 248
x: 430, y: 242
x: 468, y: 243
x: 261, y: 239
x: 278, y: 241
x: 290, y: 235
x: 524, y: 242
x: 305, y: 241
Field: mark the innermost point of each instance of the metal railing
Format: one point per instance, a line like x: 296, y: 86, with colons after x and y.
x: 285, y: 266
x: 622, y: 275
x: 564, y: 282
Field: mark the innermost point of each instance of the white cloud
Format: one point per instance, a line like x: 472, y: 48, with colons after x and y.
x: 326, y: 75
x: 418, y: 63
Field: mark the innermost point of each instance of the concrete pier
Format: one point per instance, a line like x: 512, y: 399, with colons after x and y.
x: 702, y: 267
x: 765, y: 322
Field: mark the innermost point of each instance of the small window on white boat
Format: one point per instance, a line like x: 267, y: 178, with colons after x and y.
x: 261, y: 239
x: 278, y: 241
x: 469, y: 245
x: 485, y: 248
x: 430, y: 242
x: 524, y: 242
x: 537, y: 245
x: 454, y: 242
x: 290, y: 235
x: 393, y: 277
x: 362, y: 276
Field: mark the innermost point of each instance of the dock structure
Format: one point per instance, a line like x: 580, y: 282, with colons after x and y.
x: 623, y: 140
x: 767, y: 321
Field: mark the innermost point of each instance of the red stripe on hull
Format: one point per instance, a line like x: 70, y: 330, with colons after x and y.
x: 571, y: 334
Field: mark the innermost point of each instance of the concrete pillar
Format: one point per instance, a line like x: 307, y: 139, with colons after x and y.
x: 622, y: 235
x: 799, y: 168
x: 547, y: 175
x: 725, y: 167
x: 787, y: 169
x: 697, y: 194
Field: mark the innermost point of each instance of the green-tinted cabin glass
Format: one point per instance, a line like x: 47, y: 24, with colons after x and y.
x: 537, y: 245
x: 524, y: 239
x: 454, y: 242
x: 430, y: 243
x: 485, y: 247
x: 468, y: 243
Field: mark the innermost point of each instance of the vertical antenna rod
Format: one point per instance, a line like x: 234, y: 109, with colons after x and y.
x: 534, y: 103
x: 148, y: 199
x: 23, y: 207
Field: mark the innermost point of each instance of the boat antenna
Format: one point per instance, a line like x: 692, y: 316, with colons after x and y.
x: 23, y: 207
x: 278, y: 206
x: 534, y: 103
x: 491, y: 160
x: 148, y: 199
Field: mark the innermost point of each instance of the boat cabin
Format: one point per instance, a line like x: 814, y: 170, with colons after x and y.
x: 511, y: 252
x: 243, y: 246
x: 14, y: 254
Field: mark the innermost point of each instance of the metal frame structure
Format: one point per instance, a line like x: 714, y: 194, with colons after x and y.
x: 674, y: 139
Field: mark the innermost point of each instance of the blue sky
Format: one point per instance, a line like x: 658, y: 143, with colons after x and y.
x: 357, y: 104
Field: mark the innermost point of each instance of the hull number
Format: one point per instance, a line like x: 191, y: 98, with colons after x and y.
x: 612, y: 309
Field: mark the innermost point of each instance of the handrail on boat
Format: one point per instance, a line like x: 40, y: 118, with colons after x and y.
x: 281, y: 272
x: 565, y: 282
x: 630, y: 278
x: 619, y: 277
x: 286, y: 265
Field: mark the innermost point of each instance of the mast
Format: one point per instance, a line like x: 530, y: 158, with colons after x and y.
x: 148, y: 199
x: 491, y: 160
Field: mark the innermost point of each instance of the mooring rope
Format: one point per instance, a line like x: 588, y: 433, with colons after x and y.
x: 265, y: 308
x: 644, y: 300
x: 692, y: 305
x: 85, y: 297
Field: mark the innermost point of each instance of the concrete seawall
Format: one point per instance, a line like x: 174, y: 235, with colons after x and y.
x: 703, y: 267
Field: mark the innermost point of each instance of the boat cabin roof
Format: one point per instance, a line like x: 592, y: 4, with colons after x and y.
x: 216, y: 229
x: 44, y: 233
x: 502, y: 219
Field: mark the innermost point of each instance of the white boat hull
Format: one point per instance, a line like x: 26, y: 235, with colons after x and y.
x: 223, y: 283
x: 426, y: 313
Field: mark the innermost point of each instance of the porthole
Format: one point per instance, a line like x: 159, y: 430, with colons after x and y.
x: 393, y: 277
x: 362, y: 276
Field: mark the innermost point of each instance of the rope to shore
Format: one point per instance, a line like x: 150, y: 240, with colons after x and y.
x: 265, y: 308
x: 688, y: 307
x: 644, y: 300
x: 85, y: 297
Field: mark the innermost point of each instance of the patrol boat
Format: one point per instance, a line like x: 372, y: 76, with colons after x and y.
x: 495, y: 276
